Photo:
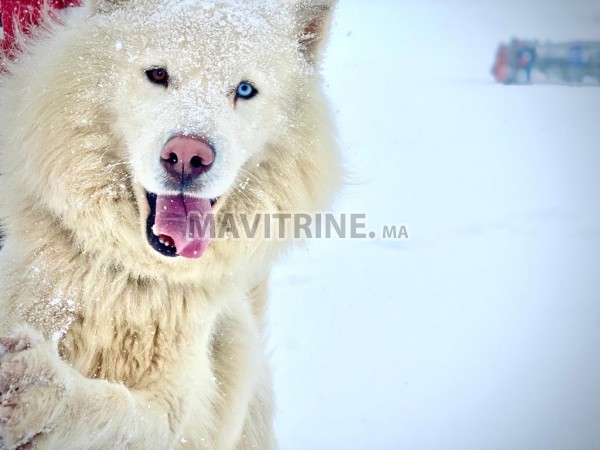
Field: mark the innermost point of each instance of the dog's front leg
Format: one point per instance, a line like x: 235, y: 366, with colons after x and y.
x: 46, y: 404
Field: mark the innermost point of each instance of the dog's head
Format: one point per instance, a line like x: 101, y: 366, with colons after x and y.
x: 146, y: 111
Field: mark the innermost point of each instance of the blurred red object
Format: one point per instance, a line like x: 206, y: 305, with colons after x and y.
x: 501, y: 67
x: 22, y: 15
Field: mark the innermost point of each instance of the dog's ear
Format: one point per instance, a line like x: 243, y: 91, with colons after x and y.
x: 313, y: 19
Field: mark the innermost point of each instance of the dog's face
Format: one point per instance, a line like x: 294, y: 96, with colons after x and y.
x: 202, y: 89
x: 174, y: 107
x: 208, y: 83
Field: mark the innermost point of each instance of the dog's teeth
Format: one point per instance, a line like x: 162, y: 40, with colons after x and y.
x: 154, y: 230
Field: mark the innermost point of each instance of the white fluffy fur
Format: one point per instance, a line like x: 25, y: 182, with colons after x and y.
x: 109, y: 344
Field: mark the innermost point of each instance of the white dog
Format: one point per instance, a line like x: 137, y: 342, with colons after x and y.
x: 123, y: 330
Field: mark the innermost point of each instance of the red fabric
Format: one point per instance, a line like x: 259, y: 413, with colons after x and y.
x: 23, y: 14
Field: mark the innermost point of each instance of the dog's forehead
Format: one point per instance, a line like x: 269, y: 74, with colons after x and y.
x: 209, y: 30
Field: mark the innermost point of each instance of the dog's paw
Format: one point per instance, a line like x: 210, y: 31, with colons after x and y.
x: 34, y: 383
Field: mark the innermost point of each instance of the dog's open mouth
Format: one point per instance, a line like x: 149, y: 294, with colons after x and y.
x: 179, y: 225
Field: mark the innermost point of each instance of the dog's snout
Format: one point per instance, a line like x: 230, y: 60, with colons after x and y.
x: 187, y: 157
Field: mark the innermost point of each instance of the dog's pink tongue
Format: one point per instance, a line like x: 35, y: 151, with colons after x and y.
x: 176, y: 216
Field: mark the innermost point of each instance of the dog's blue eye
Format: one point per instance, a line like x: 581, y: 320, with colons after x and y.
x: 245, y: 91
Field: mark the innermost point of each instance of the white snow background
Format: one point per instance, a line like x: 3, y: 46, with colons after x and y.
x: 482, y: 331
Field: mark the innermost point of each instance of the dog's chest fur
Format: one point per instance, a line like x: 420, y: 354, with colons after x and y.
x: 121, y: 329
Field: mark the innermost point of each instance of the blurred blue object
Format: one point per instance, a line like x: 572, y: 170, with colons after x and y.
x: 531, y: 62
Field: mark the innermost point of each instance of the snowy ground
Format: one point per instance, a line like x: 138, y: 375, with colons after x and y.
x: 483, y: 329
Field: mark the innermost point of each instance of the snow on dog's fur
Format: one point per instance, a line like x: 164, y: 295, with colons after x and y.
x: 112, y: 340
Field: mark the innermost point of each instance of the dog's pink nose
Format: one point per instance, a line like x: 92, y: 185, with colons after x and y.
x: 186, y: 158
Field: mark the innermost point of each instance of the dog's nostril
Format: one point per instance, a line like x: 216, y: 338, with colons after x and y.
x: 173, y: 159
x: 196, y: 162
